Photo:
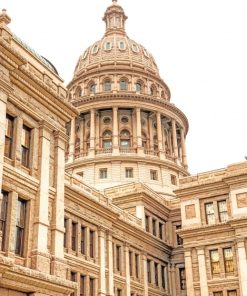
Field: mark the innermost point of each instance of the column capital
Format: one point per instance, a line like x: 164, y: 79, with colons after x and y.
x: 46, y: 126
x: 59, y: 135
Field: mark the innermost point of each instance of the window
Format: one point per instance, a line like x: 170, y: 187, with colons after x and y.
x: 73, y: 279
x: 179, y: 239
x: 107, y: 85
x: 92, y: 88
x: 137, y: 265
x: 107, y: 139
x: 121, y: 45
x: 3, y: 217
x: 103, y: 173
x: 9, y: 136
x: 95, y: 49
x: 209, y: 208
x: 73, y: 236
x: 128, y: 172
x: 82, y: 285
x: 135, y: 48
x: 182, y: 277
x: 125, y: 139
x: 83, y: 240
x: 156, y: 274
x: 91, y: 286
x: 215, y: 261
x: 138, y: 87
x: 108, y: 45
x: 173, y: 180
x: 91, y: 238
x: 163, y: 280
x: 123, y: 85
x: 218, y: 293
x: 232, y: 293
x: 130, y: 262
x: 228, y: 259
x: 65, y: 233
x: 222, y: 209
x: 149, y: 270
x: 154, y: 226
x: 147, y: 223
x: 107, y: 120
x: 118, y: 258
x: 161, y: 226
x: 153, y: 175
x: 119, y: 292
x: 25, y: 146
x: 20, y: 226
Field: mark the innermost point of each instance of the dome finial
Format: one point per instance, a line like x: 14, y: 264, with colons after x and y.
x: 114, y: 1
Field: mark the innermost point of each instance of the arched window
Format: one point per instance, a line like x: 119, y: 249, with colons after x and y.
x: 92, y: 87
x: 125, y: 139
x: 123, y: 84
x: 107, y: 139
x: 153, y: 90
x: 139, y: 87
x: 107, y: 85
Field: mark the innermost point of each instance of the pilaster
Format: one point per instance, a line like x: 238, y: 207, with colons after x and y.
x: 174, y: 139
x: 102, y: 263
x: 110, y: 265
x: 72, y: 141
x: 189, y: 273
x: 127, y: 269
x: 92, y: 133
x: 3, y: 102
x: 115, y: 143
x: 202, y: 272
x: 242, y: 266
x: 145, y: 275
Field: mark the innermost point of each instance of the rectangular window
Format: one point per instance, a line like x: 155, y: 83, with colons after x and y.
x: 163, y: 280
x: 91, y: 238
x: 215, y: 261
x: 153, y: 175
x: 83, y: 240
x: 232, y: 293
x: 182, y: 277
x: 82, y: 285
x: 25, y: 146
x: 137, y: 265
x: 147, y: 223
x: 154, y: 226
x: 218, y: 293
x: 91, y: 287
x: 119, y: 292
x: 209, y: 209
x: 65, y: 233
x: 222, y: 209
x: 156, y: 274
x: 9, y: 136
x: 173, y: 180
x: 130, y: 262
x: 128, y: 172
x: 228, y: 259
x: 73, y: 279
x: 118, y: 258
x: 161, y: 226
x: 103, y: 173
x: 3, y: 217
x: 73, y: 236
x: 179, y: 239
x: 20, y: 226
x: 149, y: 271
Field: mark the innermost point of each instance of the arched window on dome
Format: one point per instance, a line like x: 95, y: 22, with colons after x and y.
x: 125, y: 139
x: 95, y: 49
x: 121, y: 45
x: 139, y: 86
x: 153, y: 90
x: 92, y: 87
x: 123, y: 84
x: 107, y: 85
x: 107, y: 139
x: 78, y: 92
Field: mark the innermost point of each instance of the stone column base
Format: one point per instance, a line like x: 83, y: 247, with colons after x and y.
x: 40, y: 261
x: 58, y: 267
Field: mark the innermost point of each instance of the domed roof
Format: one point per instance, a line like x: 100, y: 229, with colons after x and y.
x: 116, y: 46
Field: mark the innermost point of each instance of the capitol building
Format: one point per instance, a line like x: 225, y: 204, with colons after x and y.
x: 96, y: 198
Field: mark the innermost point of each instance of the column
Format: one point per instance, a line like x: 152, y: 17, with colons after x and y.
x: 159, y: 135
x: 72, y: 141
x: 174, y: 140
x: 151, y: 135
x: 189, y: 273
x: 115, y: 139
x: 17, y: 141
x: 173, y: 280
x: 102, y: 263
x: 82, y: 125
x: 97, y: 145
x: 163, y: 136
x: 159, y: 276
x: 169, y: 288
x: 139, y: 131
x: 92, y: 133
x: 242, y: 266
x: 145, y: 275
x: 57, y: 227
x: 202, y: 272
x: 184, y: 155
x: 41, y: 222
x: 127, y: 269
x: 134, y: 143
x: 166, y: 280
x: 140, y: 213
x: 110, y: 265
x: 3, y: 102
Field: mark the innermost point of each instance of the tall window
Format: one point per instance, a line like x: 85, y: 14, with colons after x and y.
x: 73, y: 236
x: 119, y: 292
x: 153, y: 175
x: 149, y: 271
x: 107, y: 139
x: 73, y: 279
x: 65, y: 233
x: 156, y: 274
x: 118, y: 258
x: 91, y: 286
x: 107, y: 85
x: 3, y: 217
x: 215, y: 261
x: 218, y: 293
x: 128, y: 172
x: 91, y: 238
x: 82, y: 285
x: 92, y: 88
x: 130, y: 262
x: 103, y: 173
x: 222, y: 209
x: 20, y: 226
x: 179, y: 239
x: 209, y: 209
x: 137, y: 265
x: 138, y: 87
x: 232, y: 293
x: 154, y: 221
x: 83, y: 240
x: 25, y: 146
x: 182, y: 277
x: 147, y: 223
x: 125, y: 139
x: 228, y: 259
x: 161, y: 226
x: 123, y: 85
x: 163, y: 280
x: 9, y: 136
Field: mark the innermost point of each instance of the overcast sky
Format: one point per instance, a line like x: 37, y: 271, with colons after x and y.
x: 199, y: 45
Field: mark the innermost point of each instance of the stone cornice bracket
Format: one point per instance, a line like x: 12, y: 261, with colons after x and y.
x: 59, y: 135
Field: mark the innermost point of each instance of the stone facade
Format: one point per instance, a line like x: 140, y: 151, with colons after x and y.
x: 90, y: 203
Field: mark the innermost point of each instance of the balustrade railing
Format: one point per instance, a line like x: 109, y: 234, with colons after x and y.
x: 127, y: 150
x: 104, y: 151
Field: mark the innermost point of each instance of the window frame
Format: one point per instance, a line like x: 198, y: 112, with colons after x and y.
x: 20, y: 226
x: 26, y: 148
x: 9, y: 136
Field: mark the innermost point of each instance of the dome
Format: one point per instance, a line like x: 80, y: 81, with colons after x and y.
x: 116, y: 47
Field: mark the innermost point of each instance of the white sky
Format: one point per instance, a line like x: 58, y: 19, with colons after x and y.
x: 199, y: 45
